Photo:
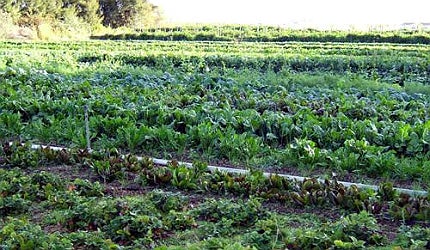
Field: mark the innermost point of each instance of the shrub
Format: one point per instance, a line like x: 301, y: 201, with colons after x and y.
x: 6, y: 24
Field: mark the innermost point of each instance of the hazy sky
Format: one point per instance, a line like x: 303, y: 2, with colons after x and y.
x: 310, y: 12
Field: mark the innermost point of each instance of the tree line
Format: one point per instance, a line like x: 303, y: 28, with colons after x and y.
x: 110, y: 13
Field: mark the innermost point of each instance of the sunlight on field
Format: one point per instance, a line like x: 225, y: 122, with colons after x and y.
x: 308, y: 13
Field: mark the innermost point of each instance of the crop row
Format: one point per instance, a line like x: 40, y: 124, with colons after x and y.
x: 237, y: 110
x: 270, y: 34
x: 377, y: 132
x: 232, y: 107
x: 347, y: 49
x: 376, y: 60
x: 397, y: 64
x: 109, y: 166
x: 388, y: 69
x: 88, y: 217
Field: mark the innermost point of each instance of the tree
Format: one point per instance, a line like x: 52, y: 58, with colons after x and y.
x: 110, y: 13
x: 32, y: 11
x: 145, y: 15
x: 75, y: 13
x: 90, y: 12
x: 87, y: 10
x: 9, y: 6
x: 130, y: 13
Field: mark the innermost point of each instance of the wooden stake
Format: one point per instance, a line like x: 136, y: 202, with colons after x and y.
x: 87, y: 128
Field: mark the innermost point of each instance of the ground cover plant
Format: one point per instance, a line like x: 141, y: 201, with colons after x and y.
x: 338, y: 111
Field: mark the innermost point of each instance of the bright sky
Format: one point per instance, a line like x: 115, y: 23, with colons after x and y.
x: 311, y: 13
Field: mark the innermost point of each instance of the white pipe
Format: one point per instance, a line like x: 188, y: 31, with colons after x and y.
x: 266, y: 174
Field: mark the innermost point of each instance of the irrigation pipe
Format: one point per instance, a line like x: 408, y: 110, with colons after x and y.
x: 243, y: 171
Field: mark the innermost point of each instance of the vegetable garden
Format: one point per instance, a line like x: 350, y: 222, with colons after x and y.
x: 336, y: 111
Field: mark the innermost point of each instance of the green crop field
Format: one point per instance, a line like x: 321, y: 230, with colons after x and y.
x: 339, y: 111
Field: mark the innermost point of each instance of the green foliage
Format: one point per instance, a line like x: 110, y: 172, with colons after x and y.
x: 409, y: 208
x: 316, y: 108
x: 21, y: 234
x: 209, y: 116
x: 141, y: 220
x: 386, y: 191
x: 88, y: 11
x: 54, y: 18
x: 87, y: 188
x: 358, y: 227
x: 262, y: 33
x: 237, y: 214
x: 413, y: 237
x: 91, y: 240
x: 11, y: 125
x: 158, y: 217
x: 17, y: 190
x: 6, y: 24
x: 215, y: 243
x: 131, y: 13
x: 354, y: 244
x: 13, y: 204
x: 351, y: 232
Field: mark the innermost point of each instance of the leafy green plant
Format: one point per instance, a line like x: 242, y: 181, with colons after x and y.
x: 86, y: 188
x: 408, y: 208
x: 21, y: 234
x: 18, y: 191
x: 11, y: 125
x: 104, y: 169
x: 91, y: 240
x: 134, y: 138
x: 240, y: 214
x: 13, y: 204
x: 358, y: 228
x: 17, y: 155
x: 415, y: 237
x: 167, y: 201
x: 386, y: 191
x: 354, y: 244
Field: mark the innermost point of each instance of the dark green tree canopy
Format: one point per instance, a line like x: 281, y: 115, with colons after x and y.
x: 112, y: 13
x: 131, y: 13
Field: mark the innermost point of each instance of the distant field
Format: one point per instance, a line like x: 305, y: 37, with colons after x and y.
x: 359, y: 110
x: 263, y: 33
